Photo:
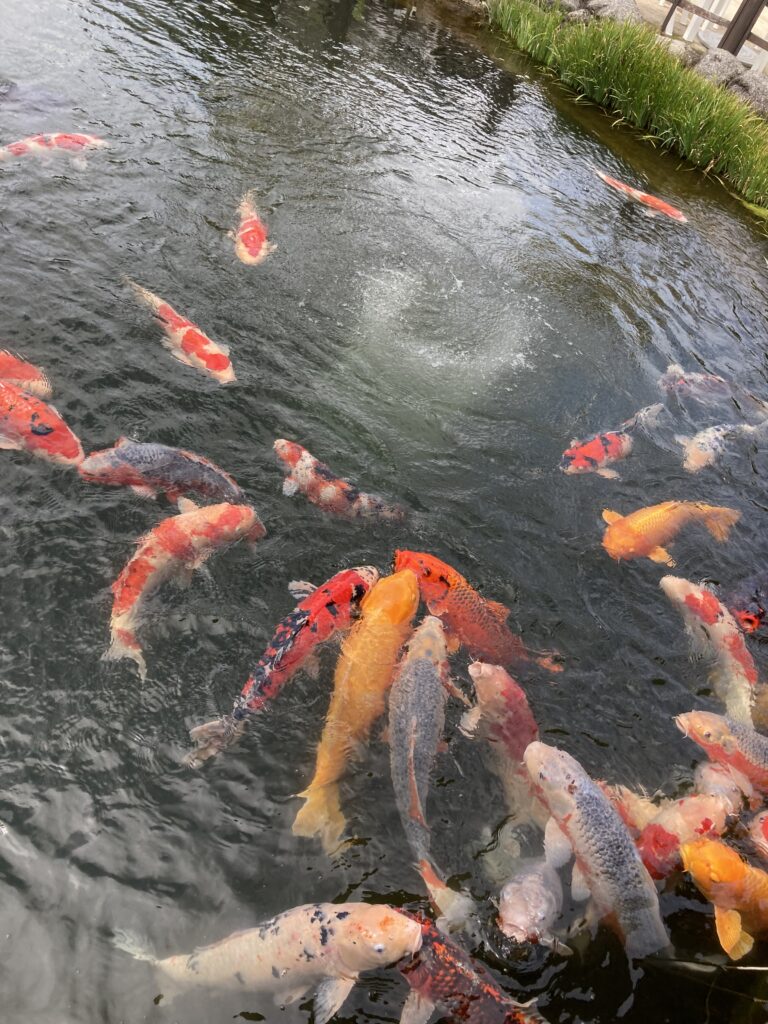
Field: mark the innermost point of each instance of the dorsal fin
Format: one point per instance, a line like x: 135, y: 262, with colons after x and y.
x: 611, y: 517
x: 187, y: 505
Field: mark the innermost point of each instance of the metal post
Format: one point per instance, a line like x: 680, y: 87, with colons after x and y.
x: 741, y: 25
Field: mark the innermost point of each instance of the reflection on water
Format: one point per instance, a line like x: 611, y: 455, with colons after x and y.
x: 453, y: 298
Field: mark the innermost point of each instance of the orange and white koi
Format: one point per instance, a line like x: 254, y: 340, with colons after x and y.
x: 728, y: 742
x: 186, y: 342
x: 69, y: 142
x: 738, y: 891
x: 29, y: 424
x: 651, y: 204
x: 596, y: 453
x: 714, y: 634
x: 678, y: 822
x: 24, y: 375
x: 642, y: 533
x: 174, y: 548
x: 723, y: 780
x: 320, y: 485
x: 251, y: 243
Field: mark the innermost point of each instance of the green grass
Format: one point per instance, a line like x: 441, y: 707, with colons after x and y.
x: 623, y: 68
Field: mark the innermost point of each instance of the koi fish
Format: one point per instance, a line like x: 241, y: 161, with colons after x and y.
x: 703, y: 448
x: 321, y: 613
x: 635, y: 810
x: 320, y: 485
x: 38, y: 144
x: 24, y: 375
x: 596, y: 453
x: 713, y: 634
x: 675, y: 380
x: 251, y: 243
x: 149, y: 468
x: 320, y: 948
x: 174, y: 548
x: 416, y: 722
x: 455, y: 909
x: 29, y: 424
x: 185, y: 341
x: 608, y: 864
x: 722, y: 780
x: 530, y: 903
x: 504, y: 724
x: 758, y: 833
x: 748, y: 602
x: 730, y: 743
x: 642, y: 533
x: 441, y: 975
x: 651, y: 204
x: 468, y: 618
x: 363, y: 677
x: 679, y: 822
x: 738, y: 891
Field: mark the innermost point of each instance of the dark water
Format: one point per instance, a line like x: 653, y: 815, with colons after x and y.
x: 453, y: 298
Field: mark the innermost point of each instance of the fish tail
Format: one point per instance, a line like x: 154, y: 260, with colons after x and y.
x: 321, y: 816
x: 125, y: 645
x: 720, y: 520
x: 247, y: 207
x: 134, y: 945
x: 213, y: 737
x: 143, y: 295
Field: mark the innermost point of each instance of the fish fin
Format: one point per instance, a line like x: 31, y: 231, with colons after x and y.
x: 80, y: 162
x: 734, y: 940
x: 557, y: 848
x: 646, y: 212
x: 416, y: 811
x: 212, y: 737
x: 290, y: 487
x: 301, y: 589
x: 292, y: 996
x: 134, y: 945
x: 312, y: 666
x: 470, y: 721
x: 580, y: 891
x: 187, y: 505
x: 178, y: 353
x: 416, y: 1009
x: 321, y: 816
x: 658, y: 554
x: 720, y: 520
x: 611, y: 517
x: 224, y: 348
x: 454, y: 691
x: 330, y: 996
x: 10, y: 444
x: 499, y: 610
x: 183, y: 576
x: 143, y: 492
x: 607, y: 474
x: 125, y: 645
x: 122, y: 441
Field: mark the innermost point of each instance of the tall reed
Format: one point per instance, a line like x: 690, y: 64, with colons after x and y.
x: 624, y: 68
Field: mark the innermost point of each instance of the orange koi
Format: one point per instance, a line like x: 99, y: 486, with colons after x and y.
x: 29, y: 424
x: 652, y: 204
x: 251, y: 243
x: 186, y: 342
x: 738, y: 891
x: 642, y: 533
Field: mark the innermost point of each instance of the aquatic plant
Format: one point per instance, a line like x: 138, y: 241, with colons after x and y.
x: 624, y: 68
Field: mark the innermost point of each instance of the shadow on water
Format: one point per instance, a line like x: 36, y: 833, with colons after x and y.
x: 454, y: 297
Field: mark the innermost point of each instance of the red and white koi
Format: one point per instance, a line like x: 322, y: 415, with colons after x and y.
x: 715, y: 779
x: 38, y: 145
x: 651, y: 204
x: 251, y: 243
x: 704, y: 386
x: 185, y: 341
x: 730, y: 743
x: 678, y: 822
x: 174, y: 548
x: 596, y: 453
x: 320, y: 485
x: 29, y: 424
x: 714, y: 634
x: 24, y: 375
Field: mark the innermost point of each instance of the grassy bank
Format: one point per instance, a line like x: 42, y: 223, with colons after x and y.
x: 623, y: 68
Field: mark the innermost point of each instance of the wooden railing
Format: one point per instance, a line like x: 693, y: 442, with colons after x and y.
x: 737, y: 31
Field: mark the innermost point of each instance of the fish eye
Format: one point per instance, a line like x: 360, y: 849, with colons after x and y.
x: 706, y: 735
x: 378, y: 947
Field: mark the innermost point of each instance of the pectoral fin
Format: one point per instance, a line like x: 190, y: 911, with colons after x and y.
x: 10, y: 444
x: 661, y: 555
x: 611, y: 517
x: 470, y: 721
x: 557, y: 848
x: 144, y: 492
x: 330, y: 996
x: 579, y: 889
x: 187, y: 505
x: 177, y: 353
x: 609, y: 474
x: 290, y: 487
x: 734, y: 940
x: 499, y: 610
x: 301, y: 589
x: 416, y: 1009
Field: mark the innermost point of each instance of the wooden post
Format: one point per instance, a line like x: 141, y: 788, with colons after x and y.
x: 741, y: 25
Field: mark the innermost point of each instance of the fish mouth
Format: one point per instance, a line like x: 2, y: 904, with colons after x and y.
x: 682, y: 725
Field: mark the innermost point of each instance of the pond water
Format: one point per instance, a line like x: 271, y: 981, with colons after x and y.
x: 454, y: 296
